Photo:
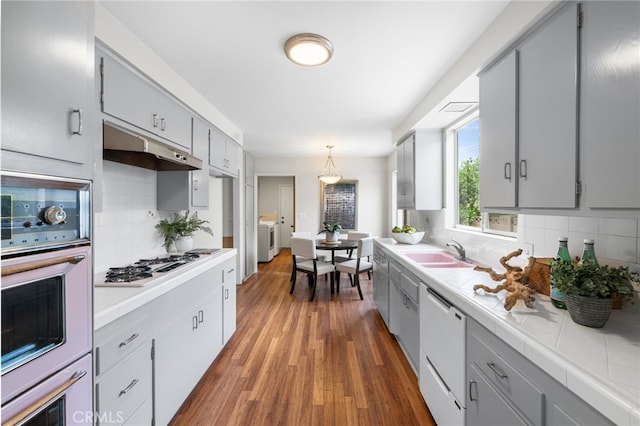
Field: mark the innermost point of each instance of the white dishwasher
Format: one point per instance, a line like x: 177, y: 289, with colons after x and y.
x: 442, y: 357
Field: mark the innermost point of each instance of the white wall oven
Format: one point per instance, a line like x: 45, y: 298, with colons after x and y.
x: 46, y: 300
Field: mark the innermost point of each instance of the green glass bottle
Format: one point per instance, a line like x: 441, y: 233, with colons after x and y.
x: 557, y: 297
x: 588, y: 253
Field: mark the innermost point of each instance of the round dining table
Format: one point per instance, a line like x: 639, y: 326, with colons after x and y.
x: 337, y: 245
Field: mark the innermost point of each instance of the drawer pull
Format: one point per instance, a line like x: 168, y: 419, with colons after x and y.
x: 493, y: 368
x: 133, y: 337
x: 128, y: 388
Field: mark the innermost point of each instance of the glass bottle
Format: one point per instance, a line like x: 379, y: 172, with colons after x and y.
x: 557, y: 297
x: 588, y: 253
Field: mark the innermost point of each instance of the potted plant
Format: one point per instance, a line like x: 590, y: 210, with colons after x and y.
x: 332, y: 231
x: 180, y: 229
x: 589, y: 289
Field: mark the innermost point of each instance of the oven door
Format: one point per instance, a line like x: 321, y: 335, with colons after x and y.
x: 62, y: 399
x: 46, y: 316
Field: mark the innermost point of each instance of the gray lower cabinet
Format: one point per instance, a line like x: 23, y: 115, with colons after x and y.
x: 123, y: 370
x: 381, y: 283
x: 129, y: 96
x: 188, y: 337
x: 507, y: 389
x: 48, y: 111
x: 229, y: 286
x: 404, y: 315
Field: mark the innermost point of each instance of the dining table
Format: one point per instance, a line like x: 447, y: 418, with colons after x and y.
x: 333, y: 246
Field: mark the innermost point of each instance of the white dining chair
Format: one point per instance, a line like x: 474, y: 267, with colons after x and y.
x: 354, y: 267
x: 305, y: 259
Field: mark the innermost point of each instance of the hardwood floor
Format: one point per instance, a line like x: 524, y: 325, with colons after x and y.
x: 294, y: 362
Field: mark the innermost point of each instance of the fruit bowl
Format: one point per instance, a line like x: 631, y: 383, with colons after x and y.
x: 405, y: 238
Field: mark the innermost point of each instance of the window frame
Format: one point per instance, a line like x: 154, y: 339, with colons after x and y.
x: 451, y: 149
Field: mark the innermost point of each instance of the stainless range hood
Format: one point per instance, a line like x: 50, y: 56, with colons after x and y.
x: 124, y: 146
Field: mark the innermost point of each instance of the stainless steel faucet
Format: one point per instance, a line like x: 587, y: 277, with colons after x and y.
x: 462, y: 254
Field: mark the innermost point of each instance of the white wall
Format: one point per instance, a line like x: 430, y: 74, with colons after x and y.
x: 269, y: 193
x: 370, y: 172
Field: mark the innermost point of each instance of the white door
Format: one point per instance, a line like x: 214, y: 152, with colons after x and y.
x: 286, y: 215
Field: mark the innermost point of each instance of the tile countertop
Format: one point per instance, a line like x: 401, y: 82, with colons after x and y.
x: 602, y: 366
x: 111, y: 303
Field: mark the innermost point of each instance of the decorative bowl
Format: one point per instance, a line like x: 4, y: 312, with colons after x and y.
x: 404, y: 238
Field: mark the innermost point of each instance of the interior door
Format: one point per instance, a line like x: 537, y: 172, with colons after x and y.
x: 286, y: 215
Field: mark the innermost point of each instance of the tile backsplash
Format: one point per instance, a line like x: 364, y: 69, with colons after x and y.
x: 125, y: 230
x: 617, y: 241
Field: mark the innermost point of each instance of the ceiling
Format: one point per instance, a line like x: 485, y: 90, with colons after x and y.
x: 388, y: 55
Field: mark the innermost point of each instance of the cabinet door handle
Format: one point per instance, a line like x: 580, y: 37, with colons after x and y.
x: 128, y: 388
x: 78, y: 130
x: 133, y: 337
x: 163, y: 124
x: 155, y: 120
x: 194, y: 322
x: 473, y: 385
x: 507, y: 171
x: 523, y: 169
x: 493, y: 368
x: 226, y: 293
x: 200, y: 316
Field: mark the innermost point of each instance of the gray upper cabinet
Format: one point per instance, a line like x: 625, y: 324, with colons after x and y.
x: 610, y: 102
x: 548, y: 72
x: 130, y: 97
x: 187, y: 190
x: 419, y: 169
x: 529, y: 113
x: 47, y: 87
x: 498, y: 133
x: 223, y: 154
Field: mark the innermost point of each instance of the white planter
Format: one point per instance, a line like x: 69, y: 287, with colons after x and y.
x: 332, y: 236
x: 184, y: 244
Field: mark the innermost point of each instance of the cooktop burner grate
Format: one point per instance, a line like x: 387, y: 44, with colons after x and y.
x: 142, y: 268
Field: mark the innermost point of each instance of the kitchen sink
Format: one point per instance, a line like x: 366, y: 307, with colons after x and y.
x: 438, y: 260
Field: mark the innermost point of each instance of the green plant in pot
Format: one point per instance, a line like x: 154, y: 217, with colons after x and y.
x: 589, y: 289
x: 332, y: 231
x: 179, y: 230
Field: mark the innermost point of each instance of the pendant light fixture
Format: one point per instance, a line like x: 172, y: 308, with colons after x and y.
x: 330, y: 173
x: 308, y: 49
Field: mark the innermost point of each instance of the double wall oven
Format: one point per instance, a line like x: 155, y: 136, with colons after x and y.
x: 46, y: 300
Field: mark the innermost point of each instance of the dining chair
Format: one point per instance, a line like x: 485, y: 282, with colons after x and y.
x: 354, y: 267
x: 354, y: 235
x: 305, y: 259
x: 299, y: 234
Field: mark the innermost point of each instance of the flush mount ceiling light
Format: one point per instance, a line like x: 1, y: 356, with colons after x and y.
x: 308, y: 49
x: 330, y: 173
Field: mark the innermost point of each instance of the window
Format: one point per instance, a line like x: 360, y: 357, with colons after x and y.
x: 464, y: 140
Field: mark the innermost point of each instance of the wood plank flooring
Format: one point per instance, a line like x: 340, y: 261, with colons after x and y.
x: 294, y: 362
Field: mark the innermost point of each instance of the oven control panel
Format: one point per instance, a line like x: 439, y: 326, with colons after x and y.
x: 36, y: 213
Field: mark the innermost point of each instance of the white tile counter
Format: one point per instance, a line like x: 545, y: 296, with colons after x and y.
x: 111, y: 303
x: 602, y: 366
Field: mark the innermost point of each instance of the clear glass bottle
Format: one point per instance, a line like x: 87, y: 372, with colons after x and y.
x: 588, y: 253
x: 557, y: 297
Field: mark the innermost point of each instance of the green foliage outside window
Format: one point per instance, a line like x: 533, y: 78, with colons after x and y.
x: 468, y: 189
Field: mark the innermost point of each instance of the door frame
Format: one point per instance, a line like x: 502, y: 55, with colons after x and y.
x: 257, y: 177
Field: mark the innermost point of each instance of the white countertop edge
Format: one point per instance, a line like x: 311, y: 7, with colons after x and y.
x: 599, y: 396
x: 596, y: 392
x: 108, y: 306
